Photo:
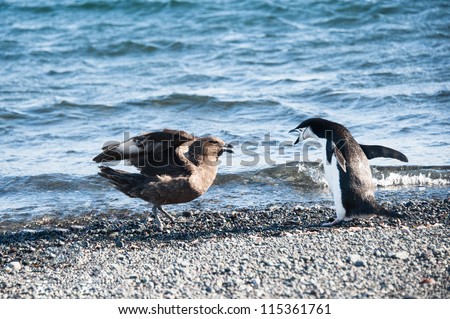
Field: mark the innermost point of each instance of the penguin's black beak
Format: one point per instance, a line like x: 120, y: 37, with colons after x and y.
x: 228, y: 148
x: 296, y: 130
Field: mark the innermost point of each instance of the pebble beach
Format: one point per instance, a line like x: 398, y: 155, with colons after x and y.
x: 277, y: 251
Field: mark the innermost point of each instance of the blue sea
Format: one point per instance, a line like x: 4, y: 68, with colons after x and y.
x: 75, y: 74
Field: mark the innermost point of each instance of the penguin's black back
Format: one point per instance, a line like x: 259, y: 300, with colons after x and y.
x: 357, y: 189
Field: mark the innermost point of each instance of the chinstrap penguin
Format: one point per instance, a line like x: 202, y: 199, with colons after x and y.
x: 346, y: 167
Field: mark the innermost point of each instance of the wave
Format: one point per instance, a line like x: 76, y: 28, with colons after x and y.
x: 63, y: 104
x: 8, y: 114
x: 98, y: 6
x: 203, y: 102
x: 111, y: 50
x: 295, y: 173
x: 298, y: 175
x: 62, y: 110
x: 385, y: 176
x: 122, y: 48
x: 305, y: 175
x: 48, y: 182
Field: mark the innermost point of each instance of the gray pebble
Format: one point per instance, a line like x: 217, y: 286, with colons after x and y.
x: 114, y: 234
x: 61, y: 230
x: 119, y: 243
x: 77, y: 227
x: 398, y: 254
x: 378, y: 253
x: 356, y: 260
x: 14, y: 265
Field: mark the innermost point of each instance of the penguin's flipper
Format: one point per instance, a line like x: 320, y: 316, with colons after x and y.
x: 332, y: 148
x: 340, y: 158
x: 373, y: 151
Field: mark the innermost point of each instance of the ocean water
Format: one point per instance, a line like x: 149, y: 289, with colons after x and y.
x: 76, y: 74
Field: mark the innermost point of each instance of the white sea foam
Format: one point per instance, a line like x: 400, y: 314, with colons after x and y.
x: 397, y: 179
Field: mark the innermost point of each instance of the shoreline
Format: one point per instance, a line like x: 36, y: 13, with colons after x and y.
x: 274, y: 252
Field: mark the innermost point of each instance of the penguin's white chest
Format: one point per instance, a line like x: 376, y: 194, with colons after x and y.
x: 333, y: 179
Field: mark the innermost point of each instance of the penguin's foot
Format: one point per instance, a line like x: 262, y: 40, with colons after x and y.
x: 332, y: 223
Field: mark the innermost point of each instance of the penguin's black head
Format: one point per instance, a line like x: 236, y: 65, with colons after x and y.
x: 315, y: 128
